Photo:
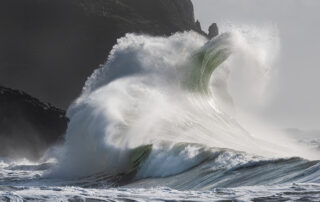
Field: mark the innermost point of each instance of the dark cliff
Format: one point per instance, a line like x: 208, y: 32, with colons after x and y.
x: 27, y: 126
x: 50, y: 47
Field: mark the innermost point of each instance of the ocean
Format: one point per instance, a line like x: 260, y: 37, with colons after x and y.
x: 158, y: 122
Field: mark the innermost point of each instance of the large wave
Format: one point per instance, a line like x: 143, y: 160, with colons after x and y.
x: 155, y: 109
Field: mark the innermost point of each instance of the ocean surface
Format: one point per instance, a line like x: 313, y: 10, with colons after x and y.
x: 160, y: 122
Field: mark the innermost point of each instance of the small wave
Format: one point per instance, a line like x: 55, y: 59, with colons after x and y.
x: 216, y: 167
x: 43, y: 166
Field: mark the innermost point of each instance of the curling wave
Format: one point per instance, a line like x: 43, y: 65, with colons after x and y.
x: 150, y: 112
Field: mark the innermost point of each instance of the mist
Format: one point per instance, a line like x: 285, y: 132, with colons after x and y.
x: 292, y: 96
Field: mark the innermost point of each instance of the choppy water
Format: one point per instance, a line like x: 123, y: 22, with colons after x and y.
x: 258, y: 180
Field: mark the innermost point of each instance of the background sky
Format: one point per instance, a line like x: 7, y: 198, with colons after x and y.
x: 295, y: 93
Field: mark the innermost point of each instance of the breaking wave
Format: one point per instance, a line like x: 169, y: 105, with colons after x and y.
x: 161, y: 107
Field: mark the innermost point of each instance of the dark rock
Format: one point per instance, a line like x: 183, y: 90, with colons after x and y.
x: 213, y: 30
x: 27, y: 126
x: 50, y: 47
x: 198, y: 25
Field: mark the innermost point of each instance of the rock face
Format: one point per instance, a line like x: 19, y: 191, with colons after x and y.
x: 50, y: 47
x: 213, y: 30
x: 27, y: 126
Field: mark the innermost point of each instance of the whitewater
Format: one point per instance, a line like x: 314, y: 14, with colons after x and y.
x: 163, y: 120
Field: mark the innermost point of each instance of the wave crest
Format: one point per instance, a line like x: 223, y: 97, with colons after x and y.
x: 145, y: 95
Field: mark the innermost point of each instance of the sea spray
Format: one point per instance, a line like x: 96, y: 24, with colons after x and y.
x: 144, y: 95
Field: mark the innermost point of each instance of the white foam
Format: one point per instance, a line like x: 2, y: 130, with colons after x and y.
x: 136, y: 98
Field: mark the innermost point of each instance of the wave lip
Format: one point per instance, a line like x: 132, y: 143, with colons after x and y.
x: 206, y: 60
